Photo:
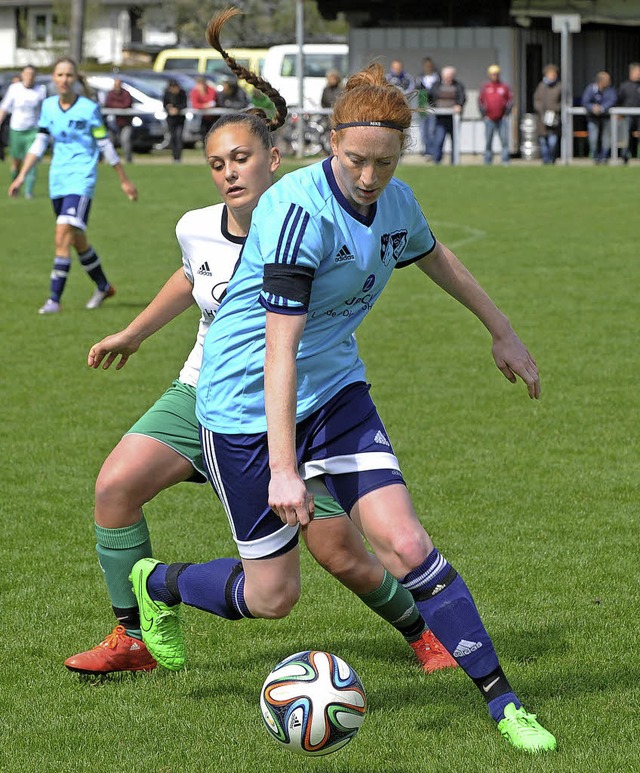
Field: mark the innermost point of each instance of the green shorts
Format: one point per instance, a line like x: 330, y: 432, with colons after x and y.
x: 172, y: 420
x: 20, y: 142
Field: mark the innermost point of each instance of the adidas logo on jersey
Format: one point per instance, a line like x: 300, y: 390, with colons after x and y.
x: 381, y: 439
x: 204, y: 270
x: 344, y: 254
x: 465, y: 647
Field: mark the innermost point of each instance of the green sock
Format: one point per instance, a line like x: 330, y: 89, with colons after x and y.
x: 396, y: 605
x: 118, y: 550
x: 30, y: 181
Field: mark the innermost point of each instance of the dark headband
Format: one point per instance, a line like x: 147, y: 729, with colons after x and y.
x: 384, y: 124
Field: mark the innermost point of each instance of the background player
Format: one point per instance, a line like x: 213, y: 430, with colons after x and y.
x: 79, y: 136
x: 23, y: 101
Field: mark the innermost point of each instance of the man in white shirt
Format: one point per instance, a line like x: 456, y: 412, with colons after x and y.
x: 23, y: 101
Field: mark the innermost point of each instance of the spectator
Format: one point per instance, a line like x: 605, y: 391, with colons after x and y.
x: 232, y: 96
x: 425, y: 84
x: 23, y: 101
x: 203, y: 97
x: 332, y: 90
x: 597, y: 99
x: 629, y: 96
x: 174, y: 100
x: 398, y: 77
x: 547, y: 102
x: 495, y: 101
x: 120, y: 126
x: 4, y: 124
x: 447, y: 93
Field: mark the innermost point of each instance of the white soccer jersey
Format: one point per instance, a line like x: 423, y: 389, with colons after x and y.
x: 24, y: 105
x: 209, y: 255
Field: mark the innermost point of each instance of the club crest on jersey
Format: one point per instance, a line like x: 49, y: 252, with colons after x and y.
x: 218, y: 291
x: 392, y: 246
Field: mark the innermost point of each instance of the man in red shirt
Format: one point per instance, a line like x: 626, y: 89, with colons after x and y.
x: 204, y: 96
x: 120, y: 125
x: 495, y: 101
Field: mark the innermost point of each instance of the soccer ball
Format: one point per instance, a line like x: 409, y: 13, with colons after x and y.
x: 313, y: 703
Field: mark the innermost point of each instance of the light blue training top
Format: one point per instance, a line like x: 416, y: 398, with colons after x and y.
x: 74, y: 132
x: 305, y: 233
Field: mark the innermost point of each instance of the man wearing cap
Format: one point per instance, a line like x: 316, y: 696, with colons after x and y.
x: 495, y: 101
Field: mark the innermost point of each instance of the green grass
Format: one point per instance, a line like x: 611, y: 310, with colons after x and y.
x: 536, y: 504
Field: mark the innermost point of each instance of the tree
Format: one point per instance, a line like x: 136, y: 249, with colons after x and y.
x: 263, y: 23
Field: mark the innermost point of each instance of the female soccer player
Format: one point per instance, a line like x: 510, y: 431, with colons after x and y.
x: 79, y: 136
x: 163, y: 447
x: 283, y: 402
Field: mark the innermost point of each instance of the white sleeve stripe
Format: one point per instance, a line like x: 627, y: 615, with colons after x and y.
x: 108, y: 151
x: 39, y: 145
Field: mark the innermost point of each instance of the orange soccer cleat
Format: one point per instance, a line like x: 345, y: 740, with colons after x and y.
x: 431, y: 654
x: 118, y: 652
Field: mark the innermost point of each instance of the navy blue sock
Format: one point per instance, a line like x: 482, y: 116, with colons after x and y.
x: 217, y: 587
x: 497, y: 705
x: 91, y: 264
x: 59, y: 276
x: 450, y: 612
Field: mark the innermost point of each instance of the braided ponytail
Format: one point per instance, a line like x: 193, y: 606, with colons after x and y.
x: 213, y: 38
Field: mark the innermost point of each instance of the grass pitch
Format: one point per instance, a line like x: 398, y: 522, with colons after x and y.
x: 536, y: 504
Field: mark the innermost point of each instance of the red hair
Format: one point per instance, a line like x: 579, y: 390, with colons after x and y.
x: 369, y: 97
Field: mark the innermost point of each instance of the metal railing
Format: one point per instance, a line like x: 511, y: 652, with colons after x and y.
x: 615, y: 113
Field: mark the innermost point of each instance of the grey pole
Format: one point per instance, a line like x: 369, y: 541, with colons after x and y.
x: 567, y: 91
x: 565, y: 24
x: 77, y: 30
x: 300, y: 68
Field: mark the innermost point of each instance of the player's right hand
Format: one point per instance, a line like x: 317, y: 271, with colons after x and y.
x: 107, y: 351
x: 14, y: 188
x: 290, y: 499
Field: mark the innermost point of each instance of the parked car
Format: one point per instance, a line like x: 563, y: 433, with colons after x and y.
x: 207, y: 60
x: 154, y: 84
x: 149, y: 123
x: 281, y: 64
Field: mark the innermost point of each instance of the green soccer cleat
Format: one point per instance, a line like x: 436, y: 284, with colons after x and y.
x: 159, y: 623
x: 524, y: 732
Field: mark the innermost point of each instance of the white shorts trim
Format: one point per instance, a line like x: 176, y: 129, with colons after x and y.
x: 266, y: 546
x: 338, y: 465
x: 76, y: 222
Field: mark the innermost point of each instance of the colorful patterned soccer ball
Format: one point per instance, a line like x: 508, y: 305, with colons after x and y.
x: 313, y: 703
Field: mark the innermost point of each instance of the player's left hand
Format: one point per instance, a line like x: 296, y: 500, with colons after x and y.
x: 130, y: 189
x: 513, y: 359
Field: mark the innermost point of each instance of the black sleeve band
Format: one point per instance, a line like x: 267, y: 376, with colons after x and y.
x: 287, y: 281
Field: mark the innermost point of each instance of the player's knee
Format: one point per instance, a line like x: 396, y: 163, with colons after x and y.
x: 113, y: 490
x: 279, y: 602
x: 410, y: 548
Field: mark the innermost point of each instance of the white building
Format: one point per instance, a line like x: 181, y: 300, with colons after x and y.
x: 30, y: 31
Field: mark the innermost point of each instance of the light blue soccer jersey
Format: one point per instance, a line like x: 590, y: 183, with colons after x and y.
x: 74, y: 132
x: 304, y: 224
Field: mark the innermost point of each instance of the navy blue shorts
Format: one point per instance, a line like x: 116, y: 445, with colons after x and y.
x: 72, y: 210
x: 342, y: 448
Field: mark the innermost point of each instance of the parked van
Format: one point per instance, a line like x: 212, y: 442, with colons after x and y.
x: 207, y: 60
x: 281, y: 63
